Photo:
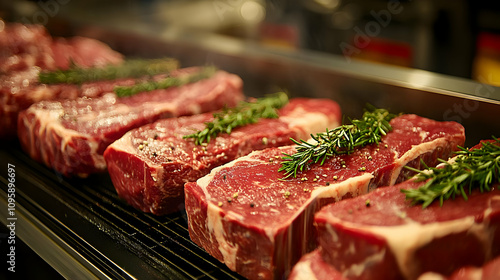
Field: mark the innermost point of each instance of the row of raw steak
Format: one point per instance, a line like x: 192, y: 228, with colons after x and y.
x: 389, y: 238
x: 244, y: 215
x: 70, y: 136
x: 26, y: 50
x: 150, y: 165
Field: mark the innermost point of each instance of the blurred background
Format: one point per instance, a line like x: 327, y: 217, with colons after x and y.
x: 459, y: 38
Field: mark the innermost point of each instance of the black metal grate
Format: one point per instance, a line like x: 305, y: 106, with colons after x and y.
x: 119, y: 240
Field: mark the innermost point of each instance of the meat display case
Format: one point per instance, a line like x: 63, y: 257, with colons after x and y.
x: 82, y: 228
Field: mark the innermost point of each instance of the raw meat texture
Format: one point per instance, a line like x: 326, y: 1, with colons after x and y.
x: 71, y: 135
x: 24, y: 46
x: 150, y: 165
x: 264, y: 231
x: 312, y: 267
x: 392, y: 239
x: 25, y: 50
x: 83, y: 52
x: 490, y: 271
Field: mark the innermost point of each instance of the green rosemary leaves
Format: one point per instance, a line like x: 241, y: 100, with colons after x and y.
x: 128, y: 69
x: 243, y: 114
x: 204, y: 73
x: 470, y: 169
x: 341, y: 140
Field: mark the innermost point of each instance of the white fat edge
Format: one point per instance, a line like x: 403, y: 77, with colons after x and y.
x: 432, y: 276
x: 403, y: 240
x: 121, y: 109
x: 353, y: 185
x: 355, y: 270
x: 215, y: 227
x: 205, y: 180
x: 214, y: 219
x: 476, y: 274
x: 195, y: 108
x: 160, y: 107
x: 40, y: 93
x: 303, y: 271
x: 305, y: 122
x: 413, y: 153
x: 333, y: 234
x: 472, y: 274
x: 124, y: 143
x: 490, y: 208
x: 49, y: 122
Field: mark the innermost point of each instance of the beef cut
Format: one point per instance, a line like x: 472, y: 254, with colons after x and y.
x: 489, y: 271
x: 71, y: 135
x: 312, y: 266
x: 383, y: 236
x: 28, y: 49
x: 150, y: 165
x: 243, y: 214
x: 391, y: 239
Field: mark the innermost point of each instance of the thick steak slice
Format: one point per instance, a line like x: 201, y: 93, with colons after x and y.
x: 391, y: 239
x: 312, y: 266
x: 71, y: 135
x: 269, y: 225
x: 150, y: 165
x: 28, y: 49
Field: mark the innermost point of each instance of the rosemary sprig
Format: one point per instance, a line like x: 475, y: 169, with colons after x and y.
x: 470, y: 169
x: 129, y: 69
x: 243, y: 114
x: 204, y: 73
x: 341, y: 140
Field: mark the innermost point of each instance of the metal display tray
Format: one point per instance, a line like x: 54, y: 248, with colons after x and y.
x: 84, y: 230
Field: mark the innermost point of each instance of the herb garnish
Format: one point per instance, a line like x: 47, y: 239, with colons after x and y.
x: 243, y: 114
x: 134, y: 68
x: 470, y: 169
x: 204, y: 73
x: 341, y: 140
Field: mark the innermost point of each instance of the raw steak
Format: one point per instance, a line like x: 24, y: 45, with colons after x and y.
x: 312, y: 266
x: 150, y: 165
x: 268, y: 225
x: 25, y: 50
x: 83, y: 52
x: 71, y: 135
x: 490, y: 271
x: 391, y: 239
